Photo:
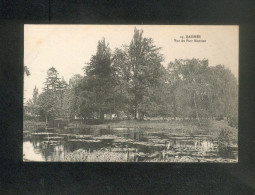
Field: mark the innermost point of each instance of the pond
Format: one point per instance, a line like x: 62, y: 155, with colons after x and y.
x: 139, y: 144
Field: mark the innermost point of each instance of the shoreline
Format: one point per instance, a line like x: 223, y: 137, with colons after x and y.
x: 213, y: 127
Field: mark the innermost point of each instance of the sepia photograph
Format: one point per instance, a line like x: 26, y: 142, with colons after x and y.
x: 131, y: 93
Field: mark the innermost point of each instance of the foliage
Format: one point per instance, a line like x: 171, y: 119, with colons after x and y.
x: 50, y: 101
x: 138, y: 71
x: 53, y: 82
x: 31, y: 109
x: 224, y: 140
x: 97, y: 88
x: 71, y: 96
x: 26, y: 70
x: 131, y: 82
x: 32, y: 125
x: 200, y: 90
x: 48, y: 104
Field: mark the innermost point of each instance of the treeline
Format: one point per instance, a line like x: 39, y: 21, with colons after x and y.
x: 131, y: 82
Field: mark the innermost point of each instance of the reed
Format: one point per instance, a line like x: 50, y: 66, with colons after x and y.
x: 96, y: 156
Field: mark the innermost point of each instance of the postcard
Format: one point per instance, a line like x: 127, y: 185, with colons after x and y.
x: 131, y: 93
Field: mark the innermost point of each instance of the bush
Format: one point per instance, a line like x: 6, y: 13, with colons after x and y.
x: 30, y: 125
x: 233, y: 121
x: 223, y: 139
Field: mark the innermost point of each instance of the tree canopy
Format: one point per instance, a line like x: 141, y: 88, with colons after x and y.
x: 131, y: 82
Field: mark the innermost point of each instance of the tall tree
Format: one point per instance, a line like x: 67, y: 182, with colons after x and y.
x: 101, y: 80
x: 50, y: 101
x: 145, y: 72
x: 123, y: 82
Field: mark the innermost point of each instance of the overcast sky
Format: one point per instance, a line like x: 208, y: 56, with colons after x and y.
x: 69, y: 47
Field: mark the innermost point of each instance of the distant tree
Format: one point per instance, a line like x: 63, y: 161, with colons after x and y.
x: 202, y: 91
x: 71, y: 96
x: 33, y: 101
x: 75, y: 80
x: 50, y: 101
x: 35, y: 95
x: 48, y: 105
x: 32, y: 104
x: 26, y: 70
x: 53, y: 82
x: 191, y: 87
x: 164, y: 96
x: 224, y: 94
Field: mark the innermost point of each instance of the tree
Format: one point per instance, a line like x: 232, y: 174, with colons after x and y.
x: 202, y: 91
x: 71, y: 95
x: 191, y: 87
x: 32, y: 104
x: 50, y: 101
x: 123, y: 83
x: 35, y: 95
x: 53, y: 82
x: 224, y: 94
x: 26, y: 70
x: 145, y: 72
x: 48, y: 105
x: 33, y: 101
x: 100, y: 81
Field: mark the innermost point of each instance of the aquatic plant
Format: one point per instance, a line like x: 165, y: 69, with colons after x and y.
x: 96, y: 156
x: 224, y: 140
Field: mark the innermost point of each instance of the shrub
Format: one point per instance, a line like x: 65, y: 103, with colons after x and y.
x: 233, y: 121
x: 223, y: 139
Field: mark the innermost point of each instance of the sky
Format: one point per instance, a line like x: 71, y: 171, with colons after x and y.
x: 69, y: 47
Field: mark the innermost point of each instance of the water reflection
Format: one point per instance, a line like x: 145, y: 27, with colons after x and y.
x: 140, y: 144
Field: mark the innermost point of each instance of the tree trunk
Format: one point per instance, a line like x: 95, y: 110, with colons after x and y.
x: 196, y: 109
x: 46, y: 120
x: 140, y: 115
x: 135, y: 110
x: 101, y: 115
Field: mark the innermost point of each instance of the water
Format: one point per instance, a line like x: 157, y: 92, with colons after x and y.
x: 144, y: 144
